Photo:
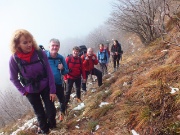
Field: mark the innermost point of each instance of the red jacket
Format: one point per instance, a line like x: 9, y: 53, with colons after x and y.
x: 88, y: 65
x: 75, y: 68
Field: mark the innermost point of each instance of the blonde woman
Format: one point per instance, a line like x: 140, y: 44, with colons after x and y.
x: 32, y: 76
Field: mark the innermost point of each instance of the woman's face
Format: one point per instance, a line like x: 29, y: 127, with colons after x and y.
x: 25, y: 44
x: 114, y: 42
x: 101, y: 47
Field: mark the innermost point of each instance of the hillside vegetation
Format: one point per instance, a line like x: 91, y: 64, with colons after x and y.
x: 139, y: 96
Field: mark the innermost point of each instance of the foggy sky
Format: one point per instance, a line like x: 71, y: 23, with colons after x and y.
x: 48, y: 19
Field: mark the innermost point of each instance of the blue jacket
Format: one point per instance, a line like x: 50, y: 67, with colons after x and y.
x: 32, y: 71
x: 54, y: 66
x: 103, y: 56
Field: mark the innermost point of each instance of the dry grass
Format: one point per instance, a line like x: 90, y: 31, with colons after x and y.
x: 26, y: 132
x: 174, y: 58
x: 178, y: 99
x: 166, y: 73
x: 115, y: 95
x: 97, y: 113
x: 143, y: 117
x: 91, y: 125
x: 173, y: 22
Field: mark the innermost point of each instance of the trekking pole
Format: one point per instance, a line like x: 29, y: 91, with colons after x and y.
x: 63, y: 83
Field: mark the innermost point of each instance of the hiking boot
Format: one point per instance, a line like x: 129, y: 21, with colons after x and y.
x: 84, y: 92
x: 78, y: 100
x: 42, y: 132
x: 39, y: 130
x: 61, y: 116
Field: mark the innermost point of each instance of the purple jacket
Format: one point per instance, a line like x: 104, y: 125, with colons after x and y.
x: 32, y: 71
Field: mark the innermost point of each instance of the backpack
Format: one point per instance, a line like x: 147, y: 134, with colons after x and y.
x: 105, y: 57
x: 70, y: 61
x: 83, y: 50
x: 108, y: 52
x: 25, y: 81
x: 42, y: 47
x: 70, y: 58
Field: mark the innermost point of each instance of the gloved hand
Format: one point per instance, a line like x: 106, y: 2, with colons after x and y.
x: 93, y: 57
x: 60, y: 66
x: 86, y: 58
x: 52, y: 97
x: 25, y: 94
x: 84, y: 81
x: 66, y: 81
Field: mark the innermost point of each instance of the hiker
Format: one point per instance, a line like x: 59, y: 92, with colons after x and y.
x: 83, y: 50
x: 89, y: 60
x: 59, y: 68
x: 116, y: 53
x: 103, y: 58
x: 106, y: 47
x: 76, y: 70
x: 31, y: 74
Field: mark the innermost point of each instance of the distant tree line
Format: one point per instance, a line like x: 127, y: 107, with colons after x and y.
x: 146, y: 19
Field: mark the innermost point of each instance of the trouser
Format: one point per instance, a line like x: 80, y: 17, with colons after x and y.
x: 45, y: 117
x: 103, y: 68
x: 70, y: 83
x: 95, y: 72
x: 61, y: 98
x: 116, y: 59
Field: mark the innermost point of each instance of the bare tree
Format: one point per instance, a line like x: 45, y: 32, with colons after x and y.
x: 169, y: 11
x: 143, y: 17
x: 97, y: 36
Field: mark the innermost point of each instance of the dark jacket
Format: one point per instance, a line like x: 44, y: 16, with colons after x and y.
x: 116, y: 48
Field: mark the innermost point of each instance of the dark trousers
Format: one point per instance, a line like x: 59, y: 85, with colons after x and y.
x: 61, y: 98
x: 95, y: 72
x: 45, y: 117
x: 69, y: 88
x: 116, y: 59
x: 103, y: 68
